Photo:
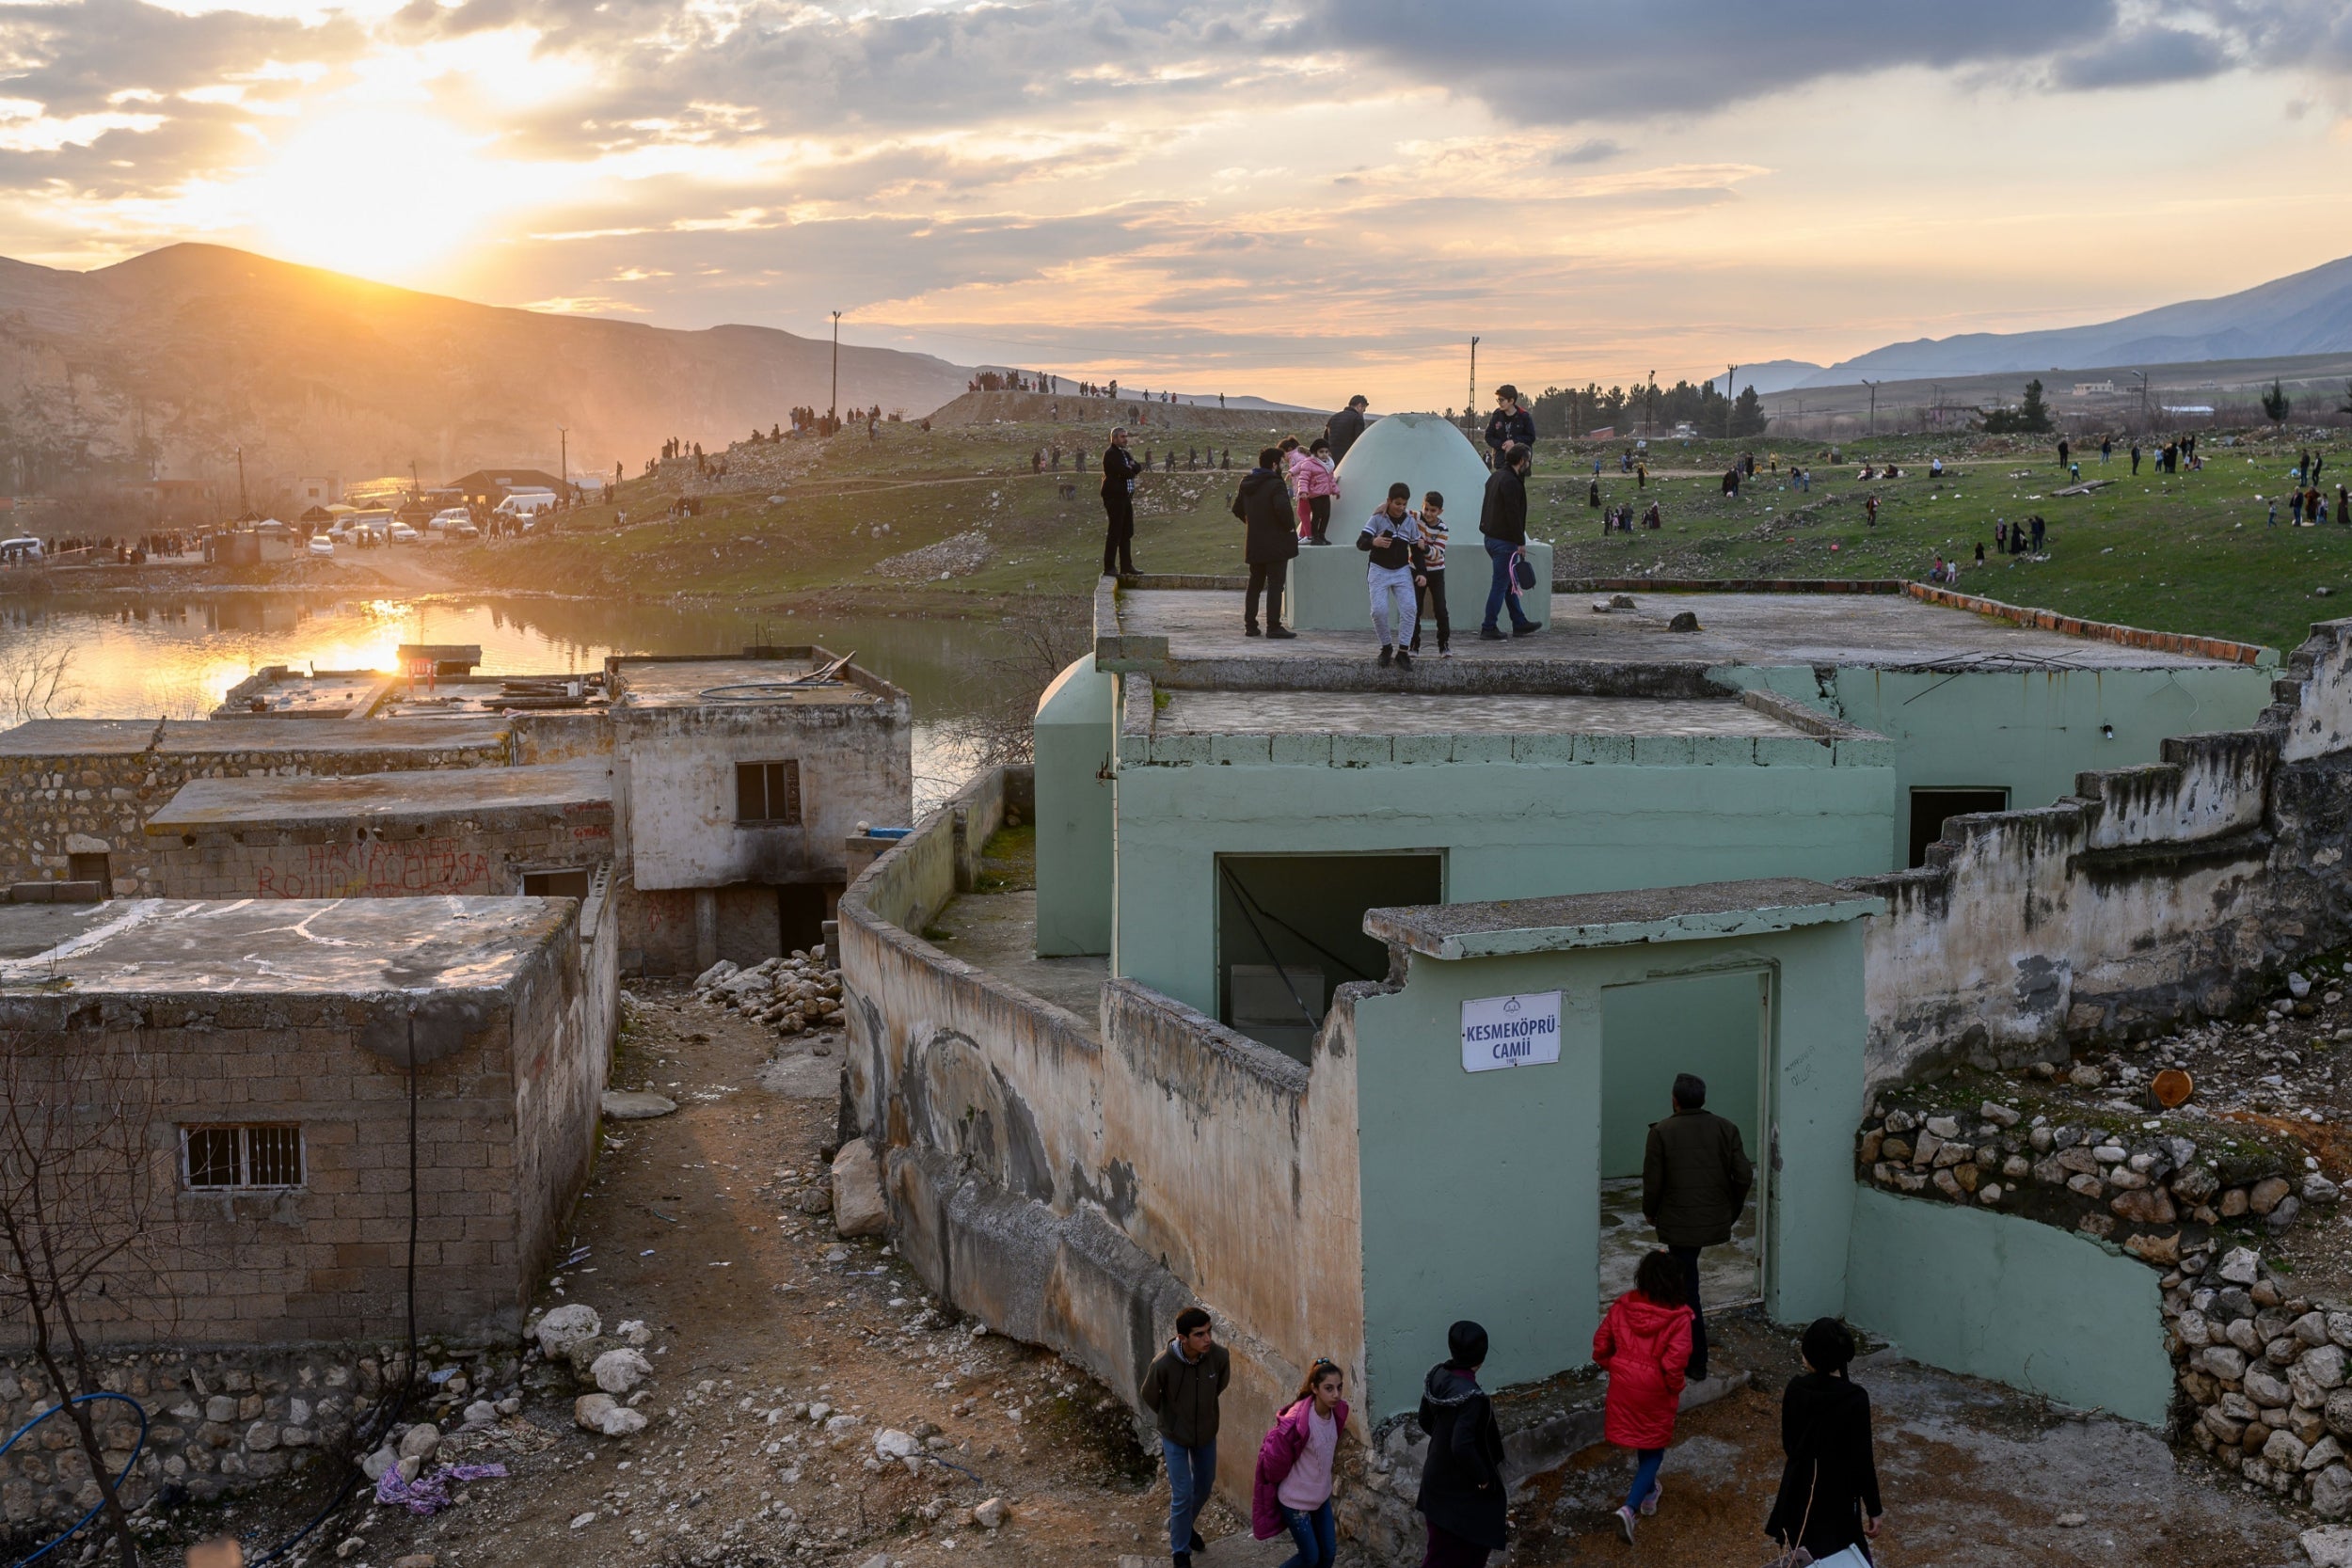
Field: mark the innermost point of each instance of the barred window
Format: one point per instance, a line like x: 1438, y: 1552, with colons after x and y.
x: 264, y: 1157
x: 768, y: 792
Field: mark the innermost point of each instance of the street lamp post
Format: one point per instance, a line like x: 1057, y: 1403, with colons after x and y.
x: 1874, y: 405
x: 834, y: 415
x: 563, y: 462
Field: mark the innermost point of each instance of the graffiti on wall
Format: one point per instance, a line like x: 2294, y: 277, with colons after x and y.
x: 377, y: 870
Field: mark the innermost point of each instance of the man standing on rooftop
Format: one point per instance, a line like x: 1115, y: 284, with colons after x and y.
x: 1510, y: 425
x: 1120, y: 469
x: 1345, y: 425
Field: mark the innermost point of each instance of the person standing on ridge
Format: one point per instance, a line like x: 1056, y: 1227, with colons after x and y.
x: 1503, y: 524
x: 1269, y: 543
x: 1120, y: 469
x: 1695, y: 1178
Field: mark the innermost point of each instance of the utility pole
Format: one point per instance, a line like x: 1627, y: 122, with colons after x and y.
x: 1874, y: 405
x: 1730, y: 375
x: 2143, y: 398
x: 835, y: 414
x: 564, y: 463
x: 245, y: 508
x: 1469, y: 409
x: 1649, y: 406
x: 1937, y: 389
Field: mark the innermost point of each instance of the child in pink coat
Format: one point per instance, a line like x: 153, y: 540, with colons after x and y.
x: 1316, y: 486
x: 1292, y: 1489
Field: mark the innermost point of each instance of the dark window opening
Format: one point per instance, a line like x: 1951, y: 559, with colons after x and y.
x: 555, y: 884
x: 91, y: 868
x: 1291, y: 931
x: 1930, y: 807
x: 801, y: 910
x: 266, y: 1157
x: 768, y: 792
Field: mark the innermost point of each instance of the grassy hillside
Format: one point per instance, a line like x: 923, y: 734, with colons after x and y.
x: 2188, y: 553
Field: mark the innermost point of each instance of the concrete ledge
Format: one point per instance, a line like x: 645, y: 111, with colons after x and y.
x: 1705, y: 911
x: 1728, y: 585
x: 2100, y: 631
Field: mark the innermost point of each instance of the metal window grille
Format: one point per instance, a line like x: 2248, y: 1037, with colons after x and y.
x: 267, y: 1156
x: 768, y: 792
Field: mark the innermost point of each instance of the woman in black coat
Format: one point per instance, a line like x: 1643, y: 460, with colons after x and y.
x: 1461, y: 1479
x: 1829, y: 1488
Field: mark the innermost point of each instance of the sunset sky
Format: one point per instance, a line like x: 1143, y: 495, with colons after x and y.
x: 1299, y: 199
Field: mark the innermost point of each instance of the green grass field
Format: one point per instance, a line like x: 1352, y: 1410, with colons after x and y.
x: 2189, y: 552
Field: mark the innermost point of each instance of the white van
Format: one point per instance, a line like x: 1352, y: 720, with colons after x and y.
x: 20, y: 551
x: 526, y: 504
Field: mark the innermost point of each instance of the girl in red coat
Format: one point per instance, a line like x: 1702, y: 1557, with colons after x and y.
x: 1643, y: 1344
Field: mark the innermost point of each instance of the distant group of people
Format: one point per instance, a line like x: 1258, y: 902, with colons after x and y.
x: 1651, y: 1345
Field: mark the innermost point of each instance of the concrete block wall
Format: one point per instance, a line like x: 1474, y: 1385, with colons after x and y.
x: 478, y: 855
x: 2151, y: 896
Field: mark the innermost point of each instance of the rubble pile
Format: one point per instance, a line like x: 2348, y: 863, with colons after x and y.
x: 2264, y: 1374
x: 795, y: 995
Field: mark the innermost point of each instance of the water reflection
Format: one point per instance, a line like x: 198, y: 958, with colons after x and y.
x: 174, y: 657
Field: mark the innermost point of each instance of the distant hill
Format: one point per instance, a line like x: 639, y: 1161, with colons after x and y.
x: 169, y: 362
x: 2310, y: 312
x: 1773, y: 375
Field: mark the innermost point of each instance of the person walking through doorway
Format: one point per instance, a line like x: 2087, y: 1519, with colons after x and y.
x: 1181, y: 1390
x: 1461, y: 1497
x: 1120, y: 469
x: 1643, y: 1344
x: 1829, y: 1487
x: 1503, y: 524
x: 1291, y: 1489
x: 1269, y: 543
x: 1694, y: 1182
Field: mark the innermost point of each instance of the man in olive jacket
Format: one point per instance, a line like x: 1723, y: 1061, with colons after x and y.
x: 1182, y: 1389
x: 1694, y: 1182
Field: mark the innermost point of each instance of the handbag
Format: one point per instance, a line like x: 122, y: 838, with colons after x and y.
x: 1522, y: 570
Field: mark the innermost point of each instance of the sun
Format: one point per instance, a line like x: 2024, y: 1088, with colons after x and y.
x: 382, y: 193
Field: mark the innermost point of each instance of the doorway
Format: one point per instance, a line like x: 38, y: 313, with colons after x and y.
x: 1930, y: 807
x: 1718, y: 1027
x: 1291, y: 931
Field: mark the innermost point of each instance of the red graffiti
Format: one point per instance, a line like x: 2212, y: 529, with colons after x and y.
x: 378, y: 870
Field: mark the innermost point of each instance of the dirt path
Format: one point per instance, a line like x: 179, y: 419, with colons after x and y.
x: 694, y: 1226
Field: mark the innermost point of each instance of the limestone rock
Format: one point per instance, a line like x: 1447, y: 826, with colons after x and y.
x: 991, y: 1514
x: 377, y: 1462
x: 2267, y: 1389
x: 636, y: 1105
x: 566, y: 1326
x: 419, y: 1441
x: 2162, y: 1251
x: 2240, y: 1265
x: 2229, y: 1365
x: 2331, y: 1498
x: 2318, y: 1189
x: 890, y: 1443
x: 2267, y: 1194
x: 2330, y: 1545
x: 2148, y: 1206
x: 482, y: 1413
x: 1998, y: 1113
x: 598, y: 1413
x: 2318, y: 1374
x: 858, y: 1208
x: 618, y: 1371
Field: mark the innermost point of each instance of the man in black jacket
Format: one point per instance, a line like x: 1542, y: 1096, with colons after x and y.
x: 1263, y: 505
x: 1694, y: 1182
x: 1461, y: 1479
x: 1344, y: 426
x: 1503, y: 521
x: 1510, y: 425
x: 1120, y: 469
x: 1181, y: 1390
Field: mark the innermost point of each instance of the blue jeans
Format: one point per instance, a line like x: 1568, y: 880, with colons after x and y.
x: 1644, y: 1477
x: 1191, y: 1474
x: 1318, y: 1540
x: 1500, y: 593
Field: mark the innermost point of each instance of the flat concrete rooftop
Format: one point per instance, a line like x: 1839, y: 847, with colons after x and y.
x: 327, y: 694
x: 1874, y: 631
x: 344, y: 947
x: 1696, y: 912
x: 1190, y: 712
x: 92, y: 738
x: 369, y: 800
x: 667, y: 683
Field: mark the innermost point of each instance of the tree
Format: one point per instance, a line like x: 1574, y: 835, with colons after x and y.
x: 1747, y: 414
x: 2277, y: 404
x: 79, y: 1191
x: 2030, y: 416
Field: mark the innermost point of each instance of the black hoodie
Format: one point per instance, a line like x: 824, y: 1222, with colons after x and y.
x: 1461, y: 1480
x: 1831, y: 1480
x: 1263, y: 503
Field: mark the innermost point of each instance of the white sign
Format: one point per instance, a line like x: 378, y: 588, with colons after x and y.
x: 1510, y: 1031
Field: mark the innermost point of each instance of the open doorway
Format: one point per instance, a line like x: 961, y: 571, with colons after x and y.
x: 1290, y: 931
x: 1717, y: 1027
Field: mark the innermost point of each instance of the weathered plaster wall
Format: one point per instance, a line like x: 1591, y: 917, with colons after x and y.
x: 1517, y: 816
x: 2012, y: 1299
x: 1481, y: 1192
x: 482, y: 854
x: 2149, y: 894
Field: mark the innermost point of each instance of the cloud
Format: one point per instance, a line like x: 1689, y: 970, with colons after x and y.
x: 1592, y: 149
x: 2143, y: 57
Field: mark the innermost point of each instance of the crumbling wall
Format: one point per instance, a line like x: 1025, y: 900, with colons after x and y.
x: 1075, y: 1192
x: 2153, y: 895
x: 478, y: 854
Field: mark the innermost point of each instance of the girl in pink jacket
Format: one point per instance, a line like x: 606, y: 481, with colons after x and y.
x: 1316, y: 486
x: 1293, y: 1490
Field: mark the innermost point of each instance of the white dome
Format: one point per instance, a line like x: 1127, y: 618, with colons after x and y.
x: 1424, y: 450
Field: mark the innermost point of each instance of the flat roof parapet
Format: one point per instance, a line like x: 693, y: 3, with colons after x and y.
x: 373, y: 800
x: 758, y: 676
x: 1703, y: 912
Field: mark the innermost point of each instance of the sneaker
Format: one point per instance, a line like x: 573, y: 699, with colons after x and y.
x: 1387, y: 655
x: 1528, y: 630
x: 1183, y: 1560
x: 1404, y: 658
x: 1649, y: 1504
x: 1625, y: 1520
x: 1489, y: 634
x: 1250, y: 629
x: 1279, y: 634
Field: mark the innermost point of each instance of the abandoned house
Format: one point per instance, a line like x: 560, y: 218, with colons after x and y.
x: 1812, y: 840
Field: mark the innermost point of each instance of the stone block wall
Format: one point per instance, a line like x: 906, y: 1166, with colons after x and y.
x: 85, y: 786
x: 481, y: 854
x: 2152, y: 896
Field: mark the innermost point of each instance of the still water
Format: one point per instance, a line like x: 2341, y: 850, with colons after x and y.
x: 175, y: 655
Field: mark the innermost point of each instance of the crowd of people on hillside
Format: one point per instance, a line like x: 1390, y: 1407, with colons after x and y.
x: 1651, y: 1346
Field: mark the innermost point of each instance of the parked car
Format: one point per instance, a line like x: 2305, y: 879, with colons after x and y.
x: 322, y: 544
x: 403, y: 535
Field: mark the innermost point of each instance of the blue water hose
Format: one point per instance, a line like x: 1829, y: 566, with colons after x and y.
x: 75, y: 1529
